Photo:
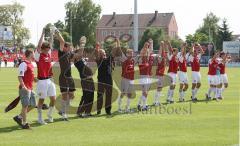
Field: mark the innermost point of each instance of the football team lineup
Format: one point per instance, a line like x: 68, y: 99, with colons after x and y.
x: 170, y: 68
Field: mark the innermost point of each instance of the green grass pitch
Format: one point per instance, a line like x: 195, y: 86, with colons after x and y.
x: 202, y: 123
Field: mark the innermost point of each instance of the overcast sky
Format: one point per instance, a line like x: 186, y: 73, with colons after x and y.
x: 189, y: 13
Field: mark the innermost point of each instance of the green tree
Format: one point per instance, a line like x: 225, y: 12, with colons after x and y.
x: 11, y: 15
x: 224, y: 34
x: 176, y: 43
x: 82, y: 17
x: 60, y: 25
x: 210, y: 27
x: 196, y: 38
x: 156, y: 34
x: 30, y: 46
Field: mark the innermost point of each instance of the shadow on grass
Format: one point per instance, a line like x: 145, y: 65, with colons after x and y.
x: 10, y: 129
x: 115, y: 113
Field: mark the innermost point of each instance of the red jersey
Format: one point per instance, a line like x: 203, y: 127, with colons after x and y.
x: 173, y: 64
x: 160, y: 68
x: 26, y: 71
x: 222, y: 67
x: 212, y: 67
x: 182, y: 63
x: 128, y: 69
x: 44, y: 65
x: 144, y: 66
x: 195, y: 62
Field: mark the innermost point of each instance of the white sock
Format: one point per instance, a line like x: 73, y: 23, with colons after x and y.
x: 193, y: 93
x: 144, y: 99
x: 181, y: 94
x: 68, y: 103
x: 50, y: 111
x: 19, y: 116
x: 40, y: 114
x: 220, y: 92
x: 196, y: 90
x: 210, y: 90
x: 119, y: 102
x: 128, y: 103
x: 169, y: 94
x: 215, y: 92
x: 157, y: 97
x: 64, y: 104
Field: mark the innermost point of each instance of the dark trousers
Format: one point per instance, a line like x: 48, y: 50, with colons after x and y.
x: 104, y: 86
x: 85, y: 105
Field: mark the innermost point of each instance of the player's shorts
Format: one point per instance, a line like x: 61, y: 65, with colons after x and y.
x: 45, y: 88
x: 183, y: 79
x: 224, y: 78
x: 160, y: 80
x: 27, y: 97
x: 66, y: 84
x: 213, y: 79
x: 127, y: 86
x: 173, y: 78
x: 145, y: 82
x: 196, y: 77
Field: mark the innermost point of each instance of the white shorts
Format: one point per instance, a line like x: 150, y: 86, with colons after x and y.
x: 196, y: 77
x: 224, y: 79
x: 46, y: 88
x: 173, y: 78
x: 213, y: 80
x: 160, y: 81
x: 145, y: 82
x: 127, y: 86
x: 183, y: 79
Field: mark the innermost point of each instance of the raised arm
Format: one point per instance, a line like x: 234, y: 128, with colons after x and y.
x: 161, y: 48
x: 169, y: 47
x: 40, y: 42
x: 60, y: 39
x: 201, y: 49
x: 183, y: 48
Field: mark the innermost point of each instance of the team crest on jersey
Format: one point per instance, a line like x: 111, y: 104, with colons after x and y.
x: 46, y: 59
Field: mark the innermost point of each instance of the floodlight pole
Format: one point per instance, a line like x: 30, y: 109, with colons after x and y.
x: 135, y: 29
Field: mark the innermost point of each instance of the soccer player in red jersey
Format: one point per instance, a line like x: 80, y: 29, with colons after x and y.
x: 224, y: 58
x: 172, y: 71
x: 194, y: 58
x: 212, y: 76
x: 161, y: 65
x: 127, y: 83
x: 27, y: 96
x: 183, y: 79
x: 145, y: 69
x: 45, y: 86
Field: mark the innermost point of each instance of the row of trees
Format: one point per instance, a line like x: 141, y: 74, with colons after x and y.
x: 211, y: 32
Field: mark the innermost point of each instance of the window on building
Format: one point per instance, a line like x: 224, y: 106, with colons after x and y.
x: 120, y: 33
x: 104, y: 33
x: 113, y: 33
